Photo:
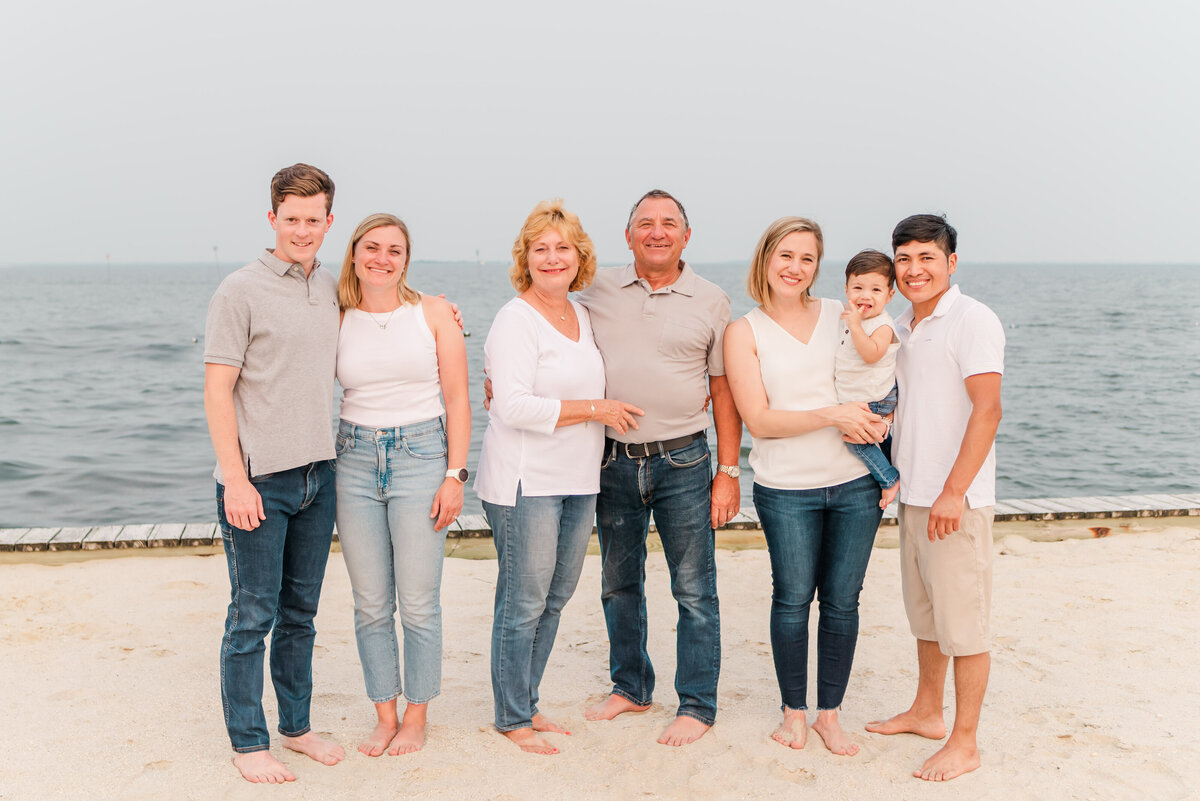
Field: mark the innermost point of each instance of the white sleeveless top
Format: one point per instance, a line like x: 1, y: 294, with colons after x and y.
x: 799, y: 377
x: 389, y: 375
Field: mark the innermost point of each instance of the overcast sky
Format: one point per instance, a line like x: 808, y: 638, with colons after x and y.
x: 1048, y: 131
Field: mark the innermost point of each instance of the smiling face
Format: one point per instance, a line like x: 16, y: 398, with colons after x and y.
x: 923, y: 273
x: 300, y: 224
x: 657, y: 235
x: 792, y: 266
x: 869, y: 293
x: 380, y: 258
x: 553, y: 263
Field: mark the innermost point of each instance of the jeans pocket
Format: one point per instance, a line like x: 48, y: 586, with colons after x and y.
x: 345, y: 442
x: 607, y: 459
x: 427, y: 445
x: 690, y: 455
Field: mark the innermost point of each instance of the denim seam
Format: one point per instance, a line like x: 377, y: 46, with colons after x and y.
x: 629, y: 697
x: 251, y: 749
x: 690, y: 713
x: 305, y: 731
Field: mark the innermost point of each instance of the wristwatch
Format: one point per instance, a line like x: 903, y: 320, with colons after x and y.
x: 460, y: 474
x: 731, y: 470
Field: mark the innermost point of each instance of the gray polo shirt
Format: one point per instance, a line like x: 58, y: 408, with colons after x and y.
x: 659, y: 347
x: 280, y: 328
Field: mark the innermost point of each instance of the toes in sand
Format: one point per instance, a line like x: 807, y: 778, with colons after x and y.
x: 793, y: 731
x: 316, y: 748
x: 833, y: 735
x: 612, y: 706
x: 260, y: 767
x: 683, y: 730
x: 950, y: 762
x: 933, y: 727
x: 530, y: 741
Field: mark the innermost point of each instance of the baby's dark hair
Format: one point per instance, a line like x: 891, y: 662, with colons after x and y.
x: 871, y: 261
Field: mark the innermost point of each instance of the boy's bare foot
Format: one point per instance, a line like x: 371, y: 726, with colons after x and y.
x: 951, y: 761
x: 261, y: 767
x: 793, y: 731
x: 543, y: 723
x: 379, y: 740
x: 933, y: 726
x: 612, y: 706
x: 831, y: 733
x: 411, y: 735
x: 314, y: 747
x: 530, y: 741
x: 683, y: 730
x: 889, y: 495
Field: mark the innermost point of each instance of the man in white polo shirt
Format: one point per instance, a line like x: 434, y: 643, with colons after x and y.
x: 949, y: 369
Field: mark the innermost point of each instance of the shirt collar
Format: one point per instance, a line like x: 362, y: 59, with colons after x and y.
x: 279, y: 266
x: 943, y: 306
x: 685, y: 284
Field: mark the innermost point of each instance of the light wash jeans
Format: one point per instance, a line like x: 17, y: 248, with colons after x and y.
x: 386, y: 480
x: 275, y: 576
x: 540, y: 544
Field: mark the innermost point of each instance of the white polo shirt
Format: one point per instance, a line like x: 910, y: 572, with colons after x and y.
x: 961, y: 338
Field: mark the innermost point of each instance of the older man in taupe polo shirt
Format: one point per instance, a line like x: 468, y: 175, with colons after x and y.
x: 659, y: 327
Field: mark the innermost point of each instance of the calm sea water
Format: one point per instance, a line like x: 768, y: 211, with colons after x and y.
x: 101, y: 417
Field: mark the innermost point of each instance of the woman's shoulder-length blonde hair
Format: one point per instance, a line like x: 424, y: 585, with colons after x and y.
x: 546, y: 215
x: 349, y: 291
x: 756, y: 280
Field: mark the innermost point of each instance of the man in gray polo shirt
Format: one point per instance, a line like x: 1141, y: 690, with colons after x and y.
x: 269, y: 348
x: 659, y: 327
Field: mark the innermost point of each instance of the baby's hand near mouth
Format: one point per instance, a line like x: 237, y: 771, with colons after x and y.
x: 852, y: 316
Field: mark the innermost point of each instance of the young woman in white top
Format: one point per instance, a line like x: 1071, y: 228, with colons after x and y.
x: 539, y: 471
x: 401, y: 466
x: 818, y: 506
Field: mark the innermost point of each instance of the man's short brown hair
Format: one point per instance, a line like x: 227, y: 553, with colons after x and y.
x: 301, y: 180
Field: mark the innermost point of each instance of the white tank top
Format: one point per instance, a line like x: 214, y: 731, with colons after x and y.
x: 799, y: 377
x: 389, y: 375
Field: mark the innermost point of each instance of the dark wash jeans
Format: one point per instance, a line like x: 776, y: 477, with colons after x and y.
x: 820, y: 542
x: 275, y: 575
x: 676, y: 487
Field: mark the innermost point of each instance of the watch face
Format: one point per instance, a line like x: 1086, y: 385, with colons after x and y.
x: 462, y: 475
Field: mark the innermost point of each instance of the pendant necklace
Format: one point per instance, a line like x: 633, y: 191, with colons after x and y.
x: 386, y: 320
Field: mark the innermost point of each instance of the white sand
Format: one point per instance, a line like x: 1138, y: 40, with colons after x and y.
x: 108, y: 688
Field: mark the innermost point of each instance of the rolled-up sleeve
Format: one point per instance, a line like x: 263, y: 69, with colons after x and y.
x: 511, y: 354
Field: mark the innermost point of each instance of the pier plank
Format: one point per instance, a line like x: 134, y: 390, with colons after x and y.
x: 165, y: 535
x: 101, y: 537
x: 37, y: 539
x: 134, y: 536
x: 474, y: 526
x: 69, y: 539
x: 9, y: 537
x: 196, y: 534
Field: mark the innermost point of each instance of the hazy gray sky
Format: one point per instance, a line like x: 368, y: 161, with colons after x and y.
x: 1048, y: 131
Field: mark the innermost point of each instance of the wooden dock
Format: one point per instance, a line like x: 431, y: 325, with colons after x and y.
x: 176, y: 535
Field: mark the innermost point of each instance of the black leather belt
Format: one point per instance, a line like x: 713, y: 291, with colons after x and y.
x: 640, y: 450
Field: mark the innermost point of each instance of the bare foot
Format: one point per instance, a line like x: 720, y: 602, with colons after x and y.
x: 314, y: 747
x: 683, y: 730
x: 831, y: 733
x: 529, y: 741
x: 379, y: 740
x: 889, y: 495
x: 933, y: 726
x: 612, y: 706
x: 951, y: 761
x: 261, y: 767
x: 543, y: 723
x: 793, y: 731
x: 411, y: 735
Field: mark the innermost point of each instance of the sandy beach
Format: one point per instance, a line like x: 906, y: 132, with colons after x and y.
x: 109, y: 685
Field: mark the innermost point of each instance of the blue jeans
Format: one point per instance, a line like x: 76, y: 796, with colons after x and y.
x: 882, y: 470
x: 275, y: 575
x: 820, y: 542
x: 676, y: 487
x: 386, y: 480
x: 540, y: 545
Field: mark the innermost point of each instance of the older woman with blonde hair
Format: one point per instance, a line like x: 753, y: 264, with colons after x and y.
x: 818, y: 505
x: 539, y: 471
x: 401, y: 465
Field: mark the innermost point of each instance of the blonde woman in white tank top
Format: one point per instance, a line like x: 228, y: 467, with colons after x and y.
x: 818, y: 505
x: 401, y: 466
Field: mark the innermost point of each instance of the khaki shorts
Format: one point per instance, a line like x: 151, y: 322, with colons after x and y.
x: 947, y: 584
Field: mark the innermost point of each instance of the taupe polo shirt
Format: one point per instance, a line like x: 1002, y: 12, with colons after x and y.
x: 659, y: 347
x: 280, y: 328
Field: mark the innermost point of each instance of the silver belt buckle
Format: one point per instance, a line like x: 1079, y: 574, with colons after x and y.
x: 629, y: 455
